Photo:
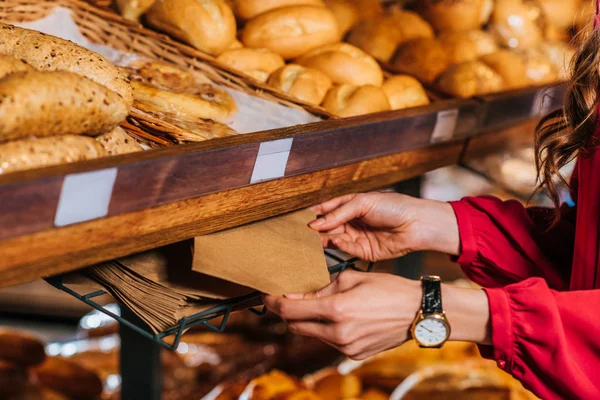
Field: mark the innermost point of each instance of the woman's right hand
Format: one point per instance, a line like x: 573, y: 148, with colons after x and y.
x: 379, y: 226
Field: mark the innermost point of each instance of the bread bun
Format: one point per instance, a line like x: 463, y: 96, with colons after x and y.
x: 68, y: 378
x: 410, y: 25
x: 517, y: 23
x: 292, y: 31
x: 307, y: 84
x: 373, y: 394
x: 467, y: 46
x: 236, y: 44
x: 404, y: 91
x: 510, y: 66
x: 133, y: 9
x: 344, y: 63
x: 10, y: 65
x: 13, y: 380
x: 118, y: 142
x: 248, y: 9
x: 378, y: 36
x: 560, y: 55
x: 268, y: 386
x: 540, y: 69
x: 423, y: 58
x: 351, y: 100
x: 258, y: 63
x: 559, y: 13
x: 345, y: 13
x: 208, y: 25
x: 486, y: 11
x: 299, y: 395
x: 453, y: 15
x: 472, y: 78
x: 368, y: 9
x: 337, y: 386
x: 20, y: 348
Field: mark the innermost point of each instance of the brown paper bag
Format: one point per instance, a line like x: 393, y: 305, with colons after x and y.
x: 275, y: 256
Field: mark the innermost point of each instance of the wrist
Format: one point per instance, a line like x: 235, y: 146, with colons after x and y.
x: 436, y: 227
x: 468, y: 313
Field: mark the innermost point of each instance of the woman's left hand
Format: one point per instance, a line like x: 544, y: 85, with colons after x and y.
x: 360, y: 314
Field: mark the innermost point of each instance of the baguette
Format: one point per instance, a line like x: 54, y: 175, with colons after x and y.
x: 20, y: 348
x: 68, y: 378
x: 166, y: 76
x: 56, y: 103
x: 119, y: 142
x: 49, y: 53
x: 10, y: 65
x: 20, y: 155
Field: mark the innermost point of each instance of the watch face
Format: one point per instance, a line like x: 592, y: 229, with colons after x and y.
x: 431, y: 332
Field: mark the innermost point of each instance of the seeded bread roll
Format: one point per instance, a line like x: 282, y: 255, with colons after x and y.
x: 344, y: 63
x: 68, y: 378
x: 307, y: 84
x: 119, y: 142
x: 345, y: 13
x: 423, y: 58
x: 20, y: 348
x: 350, y: 100
x: 292, y: 31
x: 258, y: 63
x: 208, y: 25
x: 10, y: 65
x: 404, y: 91
x: 133, y: 9
x: 248, y: 9
x: 56, y: 103
x: 469, y: 79
x: 20, y: 155
x: 49, y: 53
x: 510, y: 66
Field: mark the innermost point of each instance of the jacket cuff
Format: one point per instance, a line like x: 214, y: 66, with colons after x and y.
x: 468, y: 244
x: 502, y: 330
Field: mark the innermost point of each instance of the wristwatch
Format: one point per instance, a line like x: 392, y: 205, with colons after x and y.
x: 431, y: 328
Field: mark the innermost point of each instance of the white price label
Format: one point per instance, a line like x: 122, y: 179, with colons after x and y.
x: 445, y: 125
x: 85, y: 196
x: 271, y: 160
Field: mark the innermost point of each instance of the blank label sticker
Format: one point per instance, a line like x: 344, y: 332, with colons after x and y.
x: 542, y: 102
x: 445, y: 125
x: 271, y: 160
x: 85, y: 196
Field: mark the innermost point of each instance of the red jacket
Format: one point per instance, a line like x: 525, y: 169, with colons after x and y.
x: 543, y: 285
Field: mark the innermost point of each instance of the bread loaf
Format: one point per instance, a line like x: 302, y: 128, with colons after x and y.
x: 20, y: 348
x: 453, y: 15
x: 345, y: 13
x: 350, y: 100
x: 292, y: 31
x: 248, y: 9
x: 68, y: 378
x: 56, y: 103
x: 133, y: 9
x: 423, y: 58
x: 470, y: 79
x: 258, y: 63
x: 510, y: 66
x: 26, y: 154
x: 344, y: 63
x: 404, y: 91
x: 118, y: 142
x: 10, y: 65
x: 49, y: 53
x: 208, y: 25
x: 307, y: 84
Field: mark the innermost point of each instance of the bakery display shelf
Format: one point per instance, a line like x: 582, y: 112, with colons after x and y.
x: 65, y: 217
x: 222, y: 310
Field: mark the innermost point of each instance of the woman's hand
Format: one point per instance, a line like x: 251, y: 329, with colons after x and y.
x: 362, y: 314
x: 378, y: 226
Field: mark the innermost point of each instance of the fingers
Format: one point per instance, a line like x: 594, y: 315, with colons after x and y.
x: 344, y: 213
x: 288, y: 309
x: 324, y: 208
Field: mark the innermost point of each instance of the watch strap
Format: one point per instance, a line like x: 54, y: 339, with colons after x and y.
x: 432, y: 295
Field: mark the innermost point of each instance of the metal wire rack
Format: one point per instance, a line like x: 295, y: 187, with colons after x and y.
x: 223, y: 309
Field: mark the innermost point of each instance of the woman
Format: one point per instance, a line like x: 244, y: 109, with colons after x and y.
x: 539, y: 314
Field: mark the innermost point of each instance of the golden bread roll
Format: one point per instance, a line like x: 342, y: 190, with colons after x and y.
x: 423, y: 58
x: 368, y: 9
x: 351, y: 100
x: 119, y: 142
x: 268, y: 386
x: 213, y: 103
x: 18, y: 347
x: 486, y: 11
x: 307, y: 84
x: 68, y: 378
x: 133, y: 9
x: 411, y: 25
x: 559, y: 13
x: 49, y: 53
x: 19, y: 155
x: 258, y: 63
x: 292, y: 31
x: 337, y: 386
x: 510, y: 66
x: 560, y: 55
x: 13, y: 380
x: 299, y: 395
x: 208, y: 25
x: 404, y: 91
x: 248, y: 9
x: 472, y: 78
x: 467, y: 46
x: 345, y: 13
x: 236, y: 44
x: 10, y: 65
x: 344, y: 63
x: 56, y: 103
x: 373, y: 394
x: 166, y: 76
x: 540, y: 69
x: 517, y: 23
x: 378, y: 36
x: 453, y: 15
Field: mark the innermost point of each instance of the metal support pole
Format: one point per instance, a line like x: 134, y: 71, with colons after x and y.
x: 141, y: 370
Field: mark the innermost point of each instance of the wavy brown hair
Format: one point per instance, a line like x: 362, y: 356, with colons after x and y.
x: 564, y: 134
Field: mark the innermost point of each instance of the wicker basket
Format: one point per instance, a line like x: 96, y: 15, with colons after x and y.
x: 107, y: 28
